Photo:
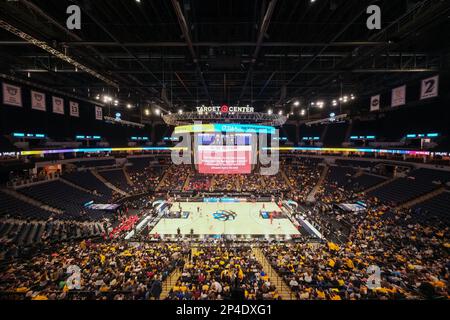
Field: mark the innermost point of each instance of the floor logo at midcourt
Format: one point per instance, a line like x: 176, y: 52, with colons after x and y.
x: 224, y: 215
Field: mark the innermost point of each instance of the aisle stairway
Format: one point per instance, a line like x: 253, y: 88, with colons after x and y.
x: 282, y: 288
x: 421, y: 199
x: 127, y: 176
x: 171, y: 280
x: 186, y: 183
x: 158, y: 187
x: 73, y: 185
x: 379, y: 185
x: 312, y: 195
x: 108, y: 184
x: 286, y: 179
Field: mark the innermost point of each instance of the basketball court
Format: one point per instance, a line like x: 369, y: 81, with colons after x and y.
x: 225, y: 219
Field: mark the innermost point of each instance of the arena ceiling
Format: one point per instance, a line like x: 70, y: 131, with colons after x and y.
x: 185, y: 53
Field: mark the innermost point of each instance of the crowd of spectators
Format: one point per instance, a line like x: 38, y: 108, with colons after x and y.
x: 200, y: 182
x: 412, y: 258
x: 145, y: 180
x: 222, y: 273
x: 175, y: 177
x: 226, y: 183
x: 302, y: 176
x: 110, y: 270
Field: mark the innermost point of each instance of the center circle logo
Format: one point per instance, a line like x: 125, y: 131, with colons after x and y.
x: 224, y: 109
x: 224, y: 215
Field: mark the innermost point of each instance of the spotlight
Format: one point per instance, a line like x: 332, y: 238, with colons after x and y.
x: 129, y: 106
x: 147, y: 112
x: 280, y: 112
x: 180, y: 111
x: 157, y: 111
x: 296, y: 103
x: 269, y: 111
x: 302, y: 112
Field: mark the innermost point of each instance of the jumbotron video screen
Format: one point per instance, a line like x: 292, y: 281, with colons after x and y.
x: 219, y: 153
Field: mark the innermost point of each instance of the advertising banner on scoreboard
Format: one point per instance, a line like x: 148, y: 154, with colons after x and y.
x: 429, y: 88
x: 12, y: 95
x: 38, y: 101
x: 58, y: 105
x: 98, y: 113
x: 224, y: 159
x: 74, y: 109
x: 375, y: 103
x: 398, y: 96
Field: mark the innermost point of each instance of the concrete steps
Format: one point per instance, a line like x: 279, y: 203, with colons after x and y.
x: 422, y: 198
x: 379, y: 185
x: 312, y: 195
x: 107, y: 183
x: 73, y: 185
x: 158, y: 187
x: 286, y: 179
x: 127, y: 177
x: 172, y: 279
x: 282, y: 288
x: 186, y: 183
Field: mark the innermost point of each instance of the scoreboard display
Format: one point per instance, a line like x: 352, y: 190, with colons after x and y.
x: 218, y: 153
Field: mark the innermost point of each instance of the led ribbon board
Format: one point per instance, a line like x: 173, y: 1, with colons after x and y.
x: 94, y: 150
x: 222, y: 127
x: 361, y: 150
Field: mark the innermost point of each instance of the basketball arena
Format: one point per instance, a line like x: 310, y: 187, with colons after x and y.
x: 233, y: 150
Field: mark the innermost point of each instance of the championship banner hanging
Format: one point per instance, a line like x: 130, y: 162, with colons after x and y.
x: 74, y: 109
x: 398, y: 96
x: 98, y: 113
x: 12, y: 95
x: 375, y: 103
x: 58, y: 105
x: 38, y: 101
x: 429, y: 88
